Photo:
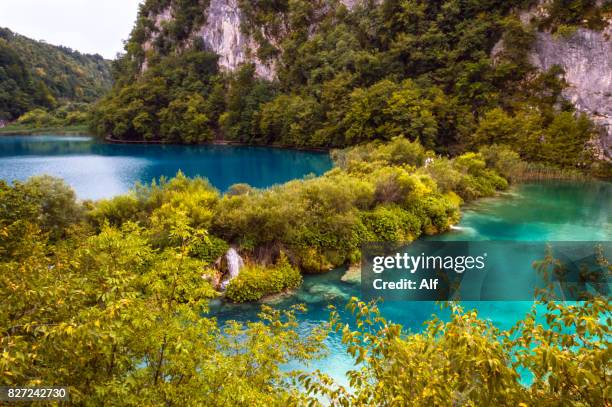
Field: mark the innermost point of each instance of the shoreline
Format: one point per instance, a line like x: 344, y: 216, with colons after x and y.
x: 86, y: 133
x: 58, y: 131
x: 534, y: 173
x: 111, y: 140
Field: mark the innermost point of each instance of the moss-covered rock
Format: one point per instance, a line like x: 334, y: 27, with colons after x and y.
x: 255, y: 281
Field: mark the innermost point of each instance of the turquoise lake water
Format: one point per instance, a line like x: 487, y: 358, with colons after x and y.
x: 550, y: 211
x: 100, y: 170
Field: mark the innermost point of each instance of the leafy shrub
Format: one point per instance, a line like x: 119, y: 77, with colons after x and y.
x: 398, y: 151
x: 69, y: 114
x: 392, y: 224
x: 466, y: 360
x: 195, y: 197
x: 289, y: 120
x: 44, y: 201
x: 209, y: 248
x: 437, y: 213
x: 255, y: 282
x: 387, y: 109
x: 37, y: 118
x: 503, y: 160
x: 116, y: 211
x: 560, y: 138
x: 466, y: 175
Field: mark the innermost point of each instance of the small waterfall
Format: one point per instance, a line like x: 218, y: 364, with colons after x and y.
x: 234, y: 264
x: 463, y: 229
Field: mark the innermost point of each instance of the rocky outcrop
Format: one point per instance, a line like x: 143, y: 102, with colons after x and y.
x: 222, y: 34
x: 158, y: 20
x: 586, y: 58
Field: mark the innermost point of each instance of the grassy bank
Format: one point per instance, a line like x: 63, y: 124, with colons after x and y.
x: 540, y: 172
x: 20, y: 129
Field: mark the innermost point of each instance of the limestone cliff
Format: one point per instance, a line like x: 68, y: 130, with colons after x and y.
x: 222, y: 34
x: 586, y: 58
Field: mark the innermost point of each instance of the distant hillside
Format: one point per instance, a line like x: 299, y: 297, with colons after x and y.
x: 35, y: 74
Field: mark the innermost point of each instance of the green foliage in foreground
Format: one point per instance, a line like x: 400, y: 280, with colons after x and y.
x: 256, y: 281
x: 468, y: 361
x: 110, y: 298
x: 122, y: 324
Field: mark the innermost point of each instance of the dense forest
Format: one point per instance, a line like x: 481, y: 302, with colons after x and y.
x: 417, y: 69
x: 36, y: 75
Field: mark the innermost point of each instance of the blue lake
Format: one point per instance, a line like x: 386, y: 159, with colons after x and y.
x: 101, y: 170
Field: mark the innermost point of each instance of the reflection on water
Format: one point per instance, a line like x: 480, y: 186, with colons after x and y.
x: 98, y: 170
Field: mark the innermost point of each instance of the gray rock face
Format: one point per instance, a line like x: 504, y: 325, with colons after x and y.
x: 158, y: 20
x: 222, y: 35
x: 586, y: 58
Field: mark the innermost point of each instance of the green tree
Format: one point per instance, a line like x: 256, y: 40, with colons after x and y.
x: 43, y: 201
x: 290, y: 120
x: 185, y: 120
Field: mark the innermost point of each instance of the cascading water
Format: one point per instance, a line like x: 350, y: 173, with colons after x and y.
x: 234, y: 264
x: 464, y: 230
